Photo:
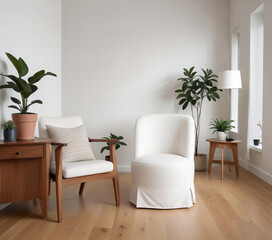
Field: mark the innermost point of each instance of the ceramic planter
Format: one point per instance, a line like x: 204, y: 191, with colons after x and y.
x: 201, y: 162
x: 221, y: 136
x: 25, y: 124
x: 10, y: 135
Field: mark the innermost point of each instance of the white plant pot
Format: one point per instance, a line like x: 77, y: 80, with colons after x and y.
x: 221, y: 136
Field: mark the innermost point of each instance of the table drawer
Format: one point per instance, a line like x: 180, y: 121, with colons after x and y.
x: 16, y: 152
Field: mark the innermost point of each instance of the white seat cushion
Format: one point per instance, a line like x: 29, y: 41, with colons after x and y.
x: 163, y: 159
x: 83, y: 168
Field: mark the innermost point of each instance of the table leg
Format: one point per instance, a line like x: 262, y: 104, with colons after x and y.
x: 211, y: 154
x: 222, y: 163
x: 44, y: 207
x: 235, y: 157
x: 45, y: 180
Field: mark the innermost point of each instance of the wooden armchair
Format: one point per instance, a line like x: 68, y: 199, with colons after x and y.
x: 58, y: 176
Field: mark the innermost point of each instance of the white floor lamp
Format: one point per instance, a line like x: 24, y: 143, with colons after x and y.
x: 230, y: 79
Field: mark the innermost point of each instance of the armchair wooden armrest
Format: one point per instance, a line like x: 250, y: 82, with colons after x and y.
x: 59, y: 144
x: 104, y: 140
x: 111, y: 143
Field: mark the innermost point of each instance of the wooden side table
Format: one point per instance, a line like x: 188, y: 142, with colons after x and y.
x: 24, y: 171
x: 214, y: 143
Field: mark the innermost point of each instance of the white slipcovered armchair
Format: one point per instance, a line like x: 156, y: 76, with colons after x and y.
x: 163, y: 170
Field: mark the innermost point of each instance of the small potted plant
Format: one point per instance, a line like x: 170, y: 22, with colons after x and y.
x: 9, y: 131
x: 220, y: 126
x: 117, y: 145
x: 257, y: 141
x: 24, y: 121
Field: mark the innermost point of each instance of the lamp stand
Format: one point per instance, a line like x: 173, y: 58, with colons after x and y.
x: 229, y: 95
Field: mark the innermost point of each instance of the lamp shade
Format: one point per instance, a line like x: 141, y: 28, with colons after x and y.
x: 229, y: 79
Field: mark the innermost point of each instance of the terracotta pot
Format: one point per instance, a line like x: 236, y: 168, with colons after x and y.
x: 25, y: 124
x: 201, y: 162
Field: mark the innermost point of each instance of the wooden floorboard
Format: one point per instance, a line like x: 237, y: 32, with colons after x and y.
x: 235, y: 208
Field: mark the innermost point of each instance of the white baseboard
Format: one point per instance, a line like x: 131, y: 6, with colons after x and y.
x: 124, y: 168
x: 267, y: 177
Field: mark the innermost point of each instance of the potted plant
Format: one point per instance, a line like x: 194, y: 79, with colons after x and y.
x: 9, y: 131
x: 25, y: 121
x: 117, y: 145
x: 257, y: 141
x: 220, y: 126
x: 194, y: 89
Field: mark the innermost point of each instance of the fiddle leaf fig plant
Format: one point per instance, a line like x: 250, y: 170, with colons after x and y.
x: 21, y: 86
x: 194, y: 89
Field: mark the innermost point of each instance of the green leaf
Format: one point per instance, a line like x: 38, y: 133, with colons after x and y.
x: 15, y: 80
x: 122, y: 143
x: 213, y: 89
x: 15, y: 107
x: 37, y: 75
x: 182, y: 79
x: 180, y: 95
x: 104, y: 148
x: 33, y: 102
x: 36, y: 101
x: 184, y: 86
x: 14, y: 86
x: 26, y: 90
x: 15, y: 100
x: 185, y: 105
x: 5, y: 86
x: 178, y: 91
x: 33, y: 88
x: 209, y: 83
x: 193, y: 74
x: 15, y: 63
x: 24, y: 67
x: 216, y: 95
x: 183, y: 100
x: 191, y: 69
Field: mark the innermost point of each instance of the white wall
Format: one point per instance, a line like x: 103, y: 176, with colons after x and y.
x: 32, y: 30
x: 121, y: 59
x: 240, y: 10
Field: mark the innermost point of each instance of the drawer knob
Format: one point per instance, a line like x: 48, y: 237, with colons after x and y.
x: 17, y: 153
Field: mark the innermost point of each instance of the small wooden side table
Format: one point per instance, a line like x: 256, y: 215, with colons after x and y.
x: 214, y: 143
x: 24, y: 171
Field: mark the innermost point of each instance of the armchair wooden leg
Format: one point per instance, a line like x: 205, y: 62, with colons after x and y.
x: 49, y: 187
x: 82, y: 185
x: 116, y: 190
x: 59, y: 200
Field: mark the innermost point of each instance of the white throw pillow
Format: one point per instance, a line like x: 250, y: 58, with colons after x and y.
x: 78, y: 148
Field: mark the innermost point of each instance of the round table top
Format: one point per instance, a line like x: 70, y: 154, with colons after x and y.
x: 215, y: 140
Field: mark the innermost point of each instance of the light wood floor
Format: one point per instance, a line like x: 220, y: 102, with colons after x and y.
x: 235, y: 208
